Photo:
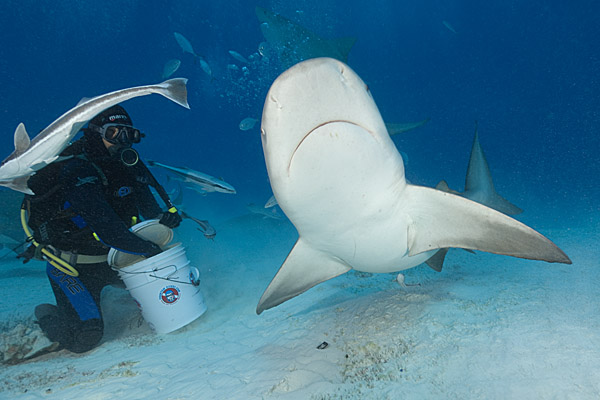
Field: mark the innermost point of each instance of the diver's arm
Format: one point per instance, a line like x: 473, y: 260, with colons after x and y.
x: 147, y: 205
x: 87, y: 199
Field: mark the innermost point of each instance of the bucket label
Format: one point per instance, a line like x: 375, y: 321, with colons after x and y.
x: 170, y: 294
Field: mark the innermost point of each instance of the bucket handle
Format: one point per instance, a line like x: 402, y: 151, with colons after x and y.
x: 194, y: 276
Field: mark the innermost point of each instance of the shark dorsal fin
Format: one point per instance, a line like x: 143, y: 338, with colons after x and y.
x: 22, y: 140
x: 83, y: 100
x: 478, y: 171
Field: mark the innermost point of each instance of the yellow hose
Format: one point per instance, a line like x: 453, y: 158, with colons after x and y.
x: 55, y: 261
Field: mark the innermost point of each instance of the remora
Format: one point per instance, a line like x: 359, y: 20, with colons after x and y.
x: 30, y: 156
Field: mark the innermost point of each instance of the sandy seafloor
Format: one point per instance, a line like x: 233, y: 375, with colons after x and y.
x: 487, y: 327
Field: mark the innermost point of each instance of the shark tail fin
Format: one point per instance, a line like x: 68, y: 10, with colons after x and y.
x: 303, y: 268
x: 441, y: 220
x: 175, y: 90
x: 344, y: 46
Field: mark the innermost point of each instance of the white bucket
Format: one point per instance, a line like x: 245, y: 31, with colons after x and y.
x: 165, y: 287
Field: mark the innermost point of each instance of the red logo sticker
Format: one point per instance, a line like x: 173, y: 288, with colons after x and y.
x: 170, y: 295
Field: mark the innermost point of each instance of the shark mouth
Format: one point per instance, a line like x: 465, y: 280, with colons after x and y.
x: 320, y: 126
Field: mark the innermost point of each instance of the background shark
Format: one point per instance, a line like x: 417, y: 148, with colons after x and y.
x: 479, y: 186
x: 295, y: 43
x: 199, y: 181
x: 339, y: 178
x: 401, y: 127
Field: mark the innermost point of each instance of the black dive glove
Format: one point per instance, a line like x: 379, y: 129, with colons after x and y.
x: 170, y: 219
x: 28, y: 254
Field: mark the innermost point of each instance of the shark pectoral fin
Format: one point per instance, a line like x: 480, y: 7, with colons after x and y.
x: 440, y: 220
x: 303, y: 268
x: 19, y: 184
x: 22, y: 140
x: 443, y: 186
x: 436, y: 262
x: 42, y: 164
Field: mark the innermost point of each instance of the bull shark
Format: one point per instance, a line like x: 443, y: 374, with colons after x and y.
x: 339, y: 178
x: 479, y: 186
x: 295, y: 43
x: 30, y: 156
x: 205, y: 182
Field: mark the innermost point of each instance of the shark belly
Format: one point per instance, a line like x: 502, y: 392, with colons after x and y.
x: 360, y: 229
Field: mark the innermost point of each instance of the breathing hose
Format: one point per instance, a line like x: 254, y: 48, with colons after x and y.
x: 55, y: 261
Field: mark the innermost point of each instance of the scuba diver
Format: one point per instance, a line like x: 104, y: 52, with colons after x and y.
x: 84, y: 204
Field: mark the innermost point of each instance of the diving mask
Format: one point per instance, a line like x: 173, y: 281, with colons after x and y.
x: 123, y: 135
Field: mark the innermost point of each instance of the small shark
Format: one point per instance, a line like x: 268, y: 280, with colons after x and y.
x: 295, y: 43
x: 265, y: 212
x: 206, y: 182
x: 479, y: 186
x: 32, y: 155
x: 396, y: 128
x: 272, y: 202
x: 205, y: 227
x: 339, y: 178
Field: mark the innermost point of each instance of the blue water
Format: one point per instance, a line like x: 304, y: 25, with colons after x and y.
x: 526, y: 70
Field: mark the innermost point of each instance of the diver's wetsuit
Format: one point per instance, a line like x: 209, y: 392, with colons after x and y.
x: 98, y: 194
